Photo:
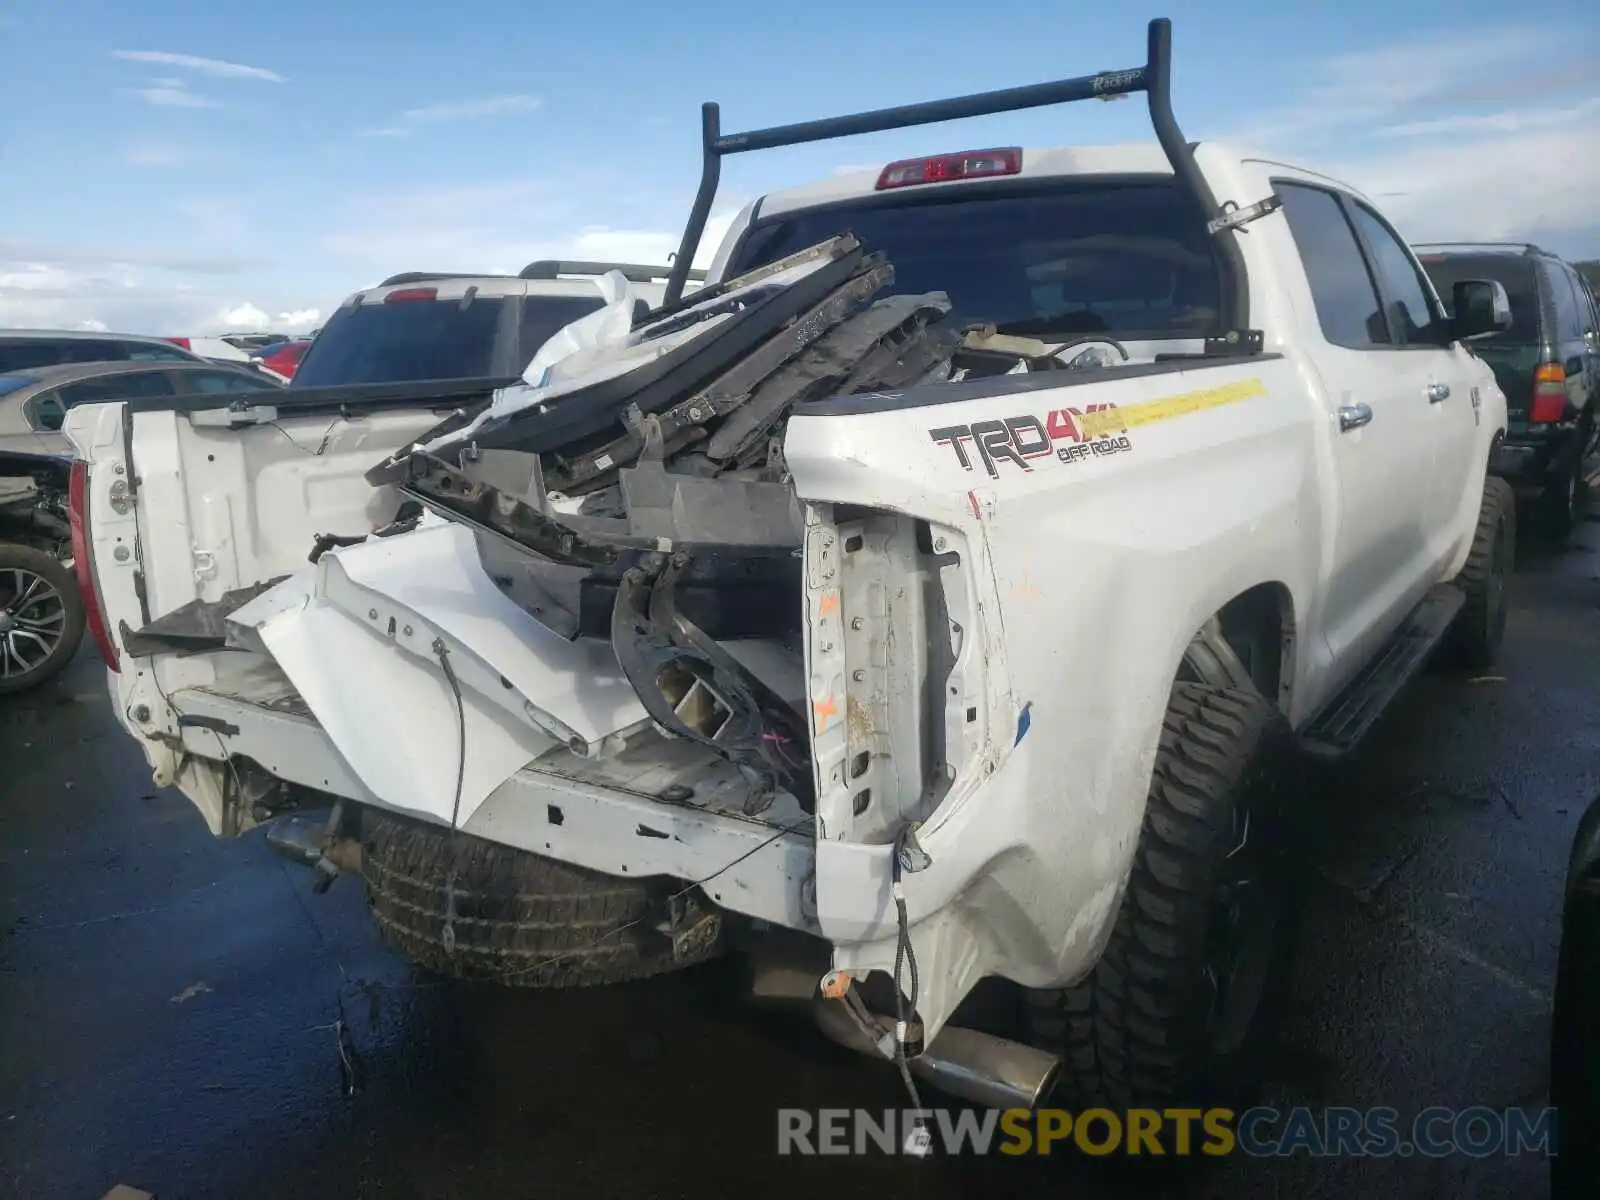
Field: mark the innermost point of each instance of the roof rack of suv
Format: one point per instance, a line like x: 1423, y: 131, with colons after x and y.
x: 1494, y: 247
x: 550, y: 268
x: 423, y: 276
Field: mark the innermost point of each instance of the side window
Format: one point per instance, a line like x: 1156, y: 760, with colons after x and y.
x: 217, y: 382
x: 22, y: 355
x: 127, y: 386
x: 1570, y: 316
x: 1411, y: 313
x: 86, y: 350
x: 1591, y: 313
x: 46, y: 411
x: 150, y: 352
x: 1347, y: 302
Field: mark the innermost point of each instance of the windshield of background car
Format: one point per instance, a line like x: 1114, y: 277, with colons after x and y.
x: 1513, y: 273
x: 403, y: 342
x: 1132, y: 260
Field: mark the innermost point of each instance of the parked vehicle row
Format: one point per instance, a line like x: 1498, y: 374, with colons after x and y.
x: 1548, y: 364
x: 947, y: 582
x: 41, y: 613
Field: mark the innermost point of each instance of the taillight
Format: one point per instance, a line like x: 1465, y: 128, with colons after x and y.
x: 404, y: 294
x: 184, y: 342
x: 83, y: 563
x: 1549, y: 394
x: 945, y: 168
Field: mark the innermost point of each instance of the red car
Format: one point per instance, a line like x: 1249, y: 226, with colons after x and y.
x: 283, y: 357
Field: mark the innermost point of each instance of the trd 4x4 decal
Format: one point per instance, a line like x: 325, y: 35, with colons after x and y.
x: 1069, y: 434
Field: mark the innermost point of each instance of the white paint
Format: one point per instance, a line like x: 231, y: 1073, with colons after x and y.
x: 1077, y: 587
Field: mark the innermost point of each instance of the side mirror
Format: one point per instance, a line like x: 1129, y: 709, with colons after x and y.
x: 1481, y: 306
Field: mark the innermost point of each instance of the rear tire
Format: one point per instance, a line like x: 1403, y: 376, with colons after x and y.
x: 1562, y: 502
x: 520, y: 919
x: 1191, y: 953
x: 41, y: 617
x: 1481, y: 624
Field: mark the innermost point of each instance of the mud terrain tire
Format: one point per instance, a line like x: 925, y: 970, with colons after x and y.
x: 520, y: 919
x: 1481, y: 625
x: 1151, y: 1017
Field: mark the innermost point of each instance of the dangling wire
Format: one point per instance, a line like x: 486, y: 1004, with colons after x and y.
x: 443, y: 652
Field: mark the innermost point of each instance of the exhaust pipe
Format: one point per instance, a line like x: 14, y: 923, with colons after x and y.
x: 303, y: 838
x: 990, y: 1071
x: 777, y: 982
x: 980, y: 1068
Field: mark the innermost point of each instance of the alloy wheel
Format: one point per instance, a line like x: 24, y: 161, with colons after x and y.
x: 33, y: 622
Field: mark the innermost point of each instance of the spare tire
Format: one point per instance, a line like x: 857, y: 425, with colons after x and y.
x: 521, y: 919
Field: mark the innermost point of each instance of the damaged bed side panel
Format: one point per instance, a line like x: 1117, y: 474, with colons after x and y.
x: 1007, y: 547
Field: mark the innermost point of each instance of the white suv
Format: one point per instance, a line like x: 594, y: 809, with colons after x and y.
x: 428, y: 325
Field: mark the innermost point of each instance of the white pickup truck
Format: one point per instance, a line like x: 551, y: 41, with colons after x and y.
x: 973, y: 665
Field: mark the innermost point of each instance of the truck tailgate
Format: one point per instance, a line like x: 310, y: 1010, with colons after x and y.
x: 434, y: 685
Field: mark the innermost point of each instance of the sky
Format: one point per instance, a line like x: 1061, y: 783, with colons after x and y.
x: 179, y: 167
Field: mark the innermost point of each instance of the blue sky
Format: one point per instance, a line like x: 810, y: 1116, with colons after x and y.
x: 175, y: 166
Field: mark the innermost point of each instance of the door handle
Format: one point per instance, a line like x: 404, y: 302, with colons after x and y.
x: 1354, y: 416
x: 1438, y: 392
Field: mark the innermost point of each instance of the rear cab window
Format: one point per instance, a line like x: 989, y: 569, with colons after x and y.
x: 1513, y: 272
x: 427, y: 338
x: 543, y: 316
x: 404, y: 340
x: 1060, y: 259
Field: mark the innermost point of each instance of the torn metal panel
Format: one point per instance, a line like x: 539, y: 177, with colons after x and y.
x: 195, y: 627
x: 360, y: 643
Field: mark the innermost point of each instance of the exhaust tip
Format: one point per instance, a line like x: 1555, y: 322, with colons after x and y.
x: 977, y: 1067
x: 298, y: 837
x: 991, y: 1071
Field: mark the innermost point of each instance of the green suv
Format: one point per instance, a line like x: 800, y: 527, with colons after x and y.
x: 1547, y: 363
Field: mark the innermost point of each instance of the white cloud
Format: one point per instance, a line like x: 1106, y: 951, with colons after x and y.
x: 485, y: 226
x: 40, y: 294
x: 173, y: 93
x: 16, y: 250
x: 159, y: 155
x: 243, y: 316
x: 1439, y: 131
x: 1510, y: 121
x: 1491, y: 188
x: 459, y: 110
x: 216, y: 68
x: 1362, y: 89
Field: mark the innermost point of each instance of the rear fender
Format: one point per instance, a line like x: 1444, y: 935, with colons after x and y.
x: 992, y: 637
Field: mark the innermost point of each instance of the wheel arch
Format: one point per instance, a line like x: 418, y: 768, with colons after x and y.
x: 1250, y: 641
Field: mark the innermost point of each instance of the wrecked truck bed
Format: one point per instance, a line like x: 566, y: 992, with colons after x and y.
x: 640, y: 501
